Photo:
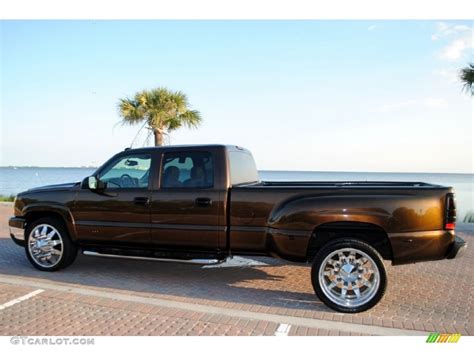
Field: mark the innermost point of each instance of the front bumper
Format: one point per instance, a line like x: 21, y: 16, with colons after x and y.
x: 17, y: 232
x: 457, y: 249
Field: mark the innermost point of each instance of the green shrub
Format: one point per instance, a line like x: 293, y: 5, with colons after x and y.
x: 10, y: 198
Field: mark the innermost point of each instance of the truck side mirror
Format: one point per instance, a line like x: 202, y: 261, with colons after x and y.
x: 94, y: 184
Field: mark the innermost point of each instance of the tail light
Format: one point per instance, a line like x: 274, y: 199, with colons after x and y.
x: 450, y: 219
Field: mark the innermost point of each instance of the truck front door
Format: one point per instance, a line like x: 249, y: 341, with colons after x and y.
x: 121, y: 214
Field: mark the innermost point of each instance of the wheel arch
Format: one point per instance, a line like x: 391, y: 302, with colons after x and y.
x: 62, y: 214
x: 370, y: 233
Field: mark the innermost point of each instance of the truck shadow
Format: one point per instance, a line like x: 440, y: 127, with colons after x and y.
x: 277, y: 284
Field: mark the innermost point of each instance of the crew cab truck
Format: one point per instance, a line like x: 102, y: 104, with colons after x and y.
x: 203, y: 204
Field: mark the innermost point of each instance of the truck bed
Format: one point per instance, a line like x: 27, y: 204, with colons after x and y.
x: 284, y: 214
x: 332, y: 184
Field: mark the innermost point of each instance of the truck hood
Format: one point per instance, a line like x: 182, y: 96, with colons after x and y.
x: 56, y: 187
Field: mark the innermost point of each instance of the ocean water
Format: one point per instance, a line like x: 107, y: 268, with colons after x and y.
x: 14, y: 180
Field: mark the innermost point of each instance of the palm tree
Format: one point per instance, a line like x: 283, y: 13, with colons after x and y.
x: 161, y: 110
x: 467, y: 77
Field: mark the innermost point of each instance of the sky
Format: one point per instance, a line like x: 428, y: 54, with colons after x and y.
x: 301, y: 95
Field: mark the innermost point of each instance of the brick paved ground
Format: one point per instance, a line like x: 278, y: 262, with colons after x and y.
x: 59, y: 313
x: 434, y: 296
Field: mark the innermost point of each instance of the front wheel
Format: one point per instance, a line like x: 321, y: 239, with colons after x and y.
x: 48, y: 246
x: 349, y: 276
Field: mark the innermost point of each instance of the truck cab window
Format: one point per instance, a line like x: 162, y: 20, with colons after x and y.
x: 131, y: 171
x: 187, y: 170
x: 242, y: 168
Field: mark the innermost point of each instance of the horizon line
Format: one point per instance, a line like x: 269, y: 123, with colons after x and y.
x: 270, y: 170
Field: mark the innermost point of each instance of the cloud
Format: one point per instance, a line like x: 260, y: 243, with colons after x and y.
x: 397, y: 106
x: 459, y: 37
x: 431, y: 102
x: 449, y: 73
x: 372, y: 27
x: 424, y: 103
x: 456, y: 48
x: 445, y: 30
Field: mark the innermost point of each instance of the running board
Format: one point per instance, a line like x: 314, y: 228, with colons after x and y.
x: 183, y: 261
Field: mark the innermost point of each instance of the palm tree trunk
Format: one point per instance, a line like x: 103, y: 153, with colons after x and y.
x: 158, y: 137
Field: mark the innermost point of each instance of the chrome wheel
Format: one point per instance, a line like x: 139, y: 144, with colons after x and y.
x: 349, y: 277
x: 45, y: 245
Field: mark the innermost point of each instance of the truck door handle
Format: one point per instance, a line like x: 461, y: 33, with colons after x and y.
x: 203, y: 201
x: 141, y: 200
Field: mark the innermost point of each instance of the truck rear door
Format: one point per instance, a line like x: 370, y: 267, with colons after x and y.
x: 187, y: 207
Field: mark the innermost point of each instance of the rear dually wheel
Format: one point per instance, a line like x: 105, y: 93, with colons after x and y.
x: 349, y: 276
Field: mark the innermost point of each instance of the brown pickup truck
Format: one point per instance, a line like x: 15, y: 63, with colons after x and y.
x: 203, y: 204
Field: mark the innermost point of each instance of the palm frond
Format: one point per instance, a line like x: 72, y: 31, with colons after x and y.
x: 173, y: 123
x: 191, y: 118
x: 467, y: 78
x: 130, y: 111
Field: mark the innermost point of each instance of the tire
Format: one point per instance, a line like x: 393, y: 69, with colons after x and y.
x: 347, y: 261
x: 49, y: 236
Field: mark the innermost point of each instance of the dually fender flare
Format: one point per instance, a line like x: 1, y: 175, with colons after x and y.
x: 310, y: 212
x: 54, y: 209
